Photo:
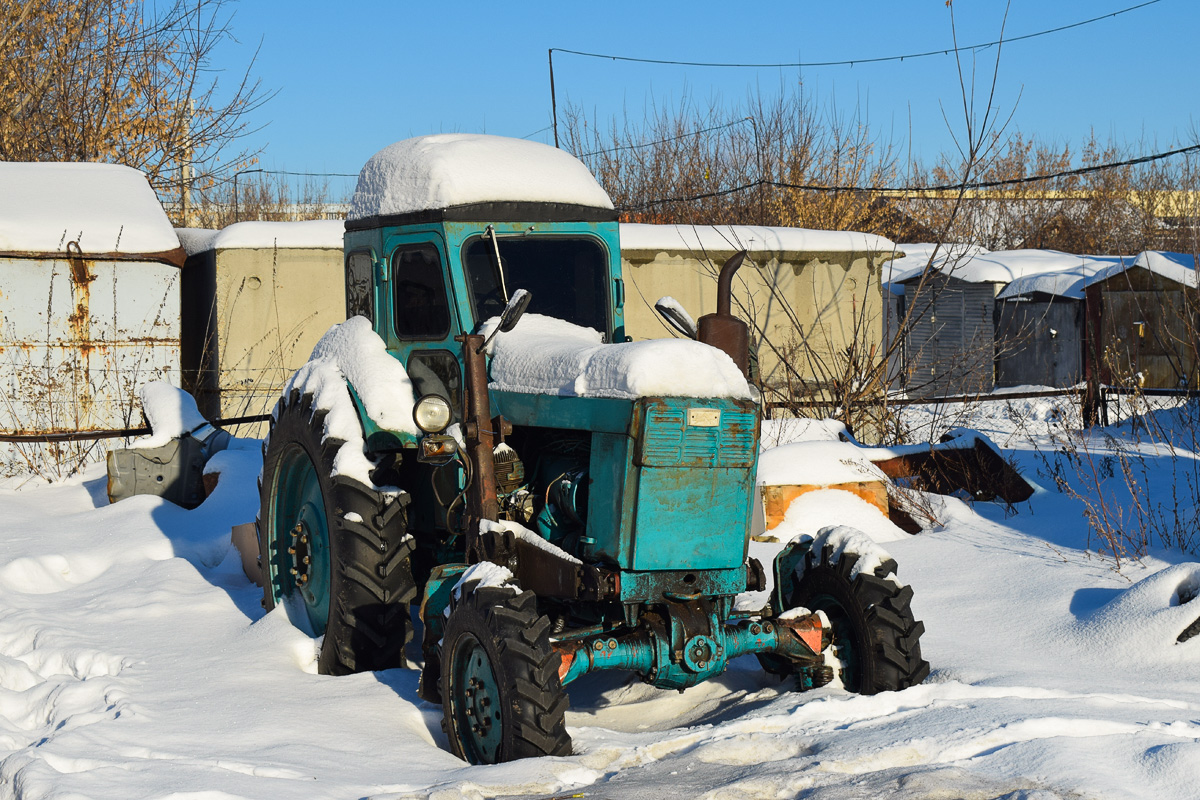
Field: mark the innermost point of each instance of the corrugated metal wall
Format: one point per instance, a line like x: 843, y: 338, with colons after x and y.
x: 950, y: 346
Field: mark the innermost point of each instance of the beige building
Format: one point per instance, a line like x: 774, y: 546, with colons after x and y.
x: 258, y: 297
x: 806, y: 294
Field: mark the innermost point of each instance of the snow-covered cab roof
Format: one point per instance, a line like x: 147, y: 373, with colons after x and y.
x: 475, y: 176
x: 319, y: 234
x: 103, y: 209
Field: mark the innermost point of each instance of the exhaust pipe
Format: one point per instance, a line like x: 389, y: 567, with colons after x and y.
x: 722, y: 330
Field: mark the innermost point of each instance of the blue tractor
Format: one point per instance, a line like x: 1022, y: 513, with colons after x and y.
x: 544, y: 535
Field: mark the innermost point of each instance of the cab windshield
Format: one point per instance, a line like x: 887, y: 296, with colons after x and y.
x: 567, y: 277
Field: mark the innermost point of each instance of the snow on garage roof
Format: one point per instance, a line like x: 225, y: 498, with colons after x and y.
x: 1006, y: 266
x: 455, y: 169
x: 1178, y: 267
x: 307, y: 234
x: 916, y: 256
x: 1069, y: 282
x: 105, y: 208
x: 726, y: 238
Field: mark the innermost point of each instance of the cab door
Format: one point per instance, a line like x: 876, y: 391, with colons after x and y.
x: 422, y: 321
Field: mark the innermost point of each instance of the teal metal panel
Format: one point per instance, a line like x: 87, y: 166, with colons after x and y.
x: 610, y: 504
x: 729, y: 439
x: 690, y: 518
x: 599, y: 414
x: 651, y: 587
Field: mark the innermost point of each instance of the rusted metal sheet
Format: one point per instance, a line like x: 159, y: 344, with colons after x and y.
x: 946, y: 467
x: 78, y: 338
x: 777, y: 499
x: 173, y: 257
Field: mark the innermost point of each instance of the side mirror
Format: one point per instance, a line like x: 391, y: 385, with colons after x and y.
x: 514, y: 310
x: 510, y: 316
x: 669, y: 309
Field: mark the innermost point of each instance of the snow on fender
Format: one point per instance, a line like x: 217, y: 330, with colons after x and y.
x: 844, y: 575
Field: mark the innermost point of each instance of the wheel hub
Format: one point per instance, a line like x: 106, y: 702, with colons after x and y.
x: 477, y: 701
x: 301, y: 559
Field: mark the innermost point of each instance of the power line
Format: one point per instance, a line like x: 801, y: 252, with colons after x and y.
x: 919, y: 189
x: 852, y: 62
x: 535, y: 133
x: 665, y: 141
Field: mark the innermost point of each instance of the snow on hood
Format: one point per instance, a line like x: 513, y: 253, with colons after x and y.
x: 543, y: 355
x: 314, y: 234
x: 453, y: 169
x: 756, y: 239
x: 1178, y: 267
x: 352, y: 352
x: 105, y: 208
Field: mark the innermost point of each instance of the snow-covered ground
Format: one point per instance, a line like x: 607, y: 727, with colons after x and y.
x: 136, y: 662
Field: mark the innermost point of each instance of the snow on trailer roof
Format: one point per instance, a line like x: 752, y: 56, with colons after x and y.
x: 304, y: 235
x: 1178, y: 267
x: 431, y: 173
x: 104, y: 208
x: 755, y: 238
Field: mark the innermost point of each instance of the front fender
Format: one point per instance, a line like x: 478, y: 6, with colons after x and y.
x: 375, y: 438
x: 785, y: 568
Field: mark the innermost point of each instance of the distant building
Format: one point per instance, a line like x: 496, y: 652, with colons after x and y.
x: 1143, y: 313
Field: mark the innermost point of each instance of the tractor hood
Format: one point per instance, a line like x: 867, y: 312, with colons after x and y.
x: 547, y: 356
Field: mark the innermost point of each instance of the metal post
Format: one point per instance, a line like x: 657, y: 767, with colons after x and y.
x: 553, y: 99
x: 481, y: 494
x: 758, y: 154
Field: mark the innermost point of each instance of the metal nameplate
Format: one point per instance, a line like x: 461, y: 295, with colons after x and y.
x: 704, y: 417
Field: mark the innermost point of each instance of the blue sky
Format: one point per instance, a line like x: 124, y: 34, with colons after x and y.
x: 354, y: 77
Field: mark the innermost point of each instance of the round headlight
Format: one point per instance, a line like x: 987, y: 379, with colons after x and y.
x: 432, y: 413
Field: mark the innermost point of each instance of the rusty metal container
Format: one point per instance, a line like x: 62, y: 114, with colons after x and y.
x: 89, y: 307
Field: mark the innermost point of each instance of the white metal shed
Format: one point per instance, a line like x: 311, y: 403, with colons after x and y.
x: 89, y: 305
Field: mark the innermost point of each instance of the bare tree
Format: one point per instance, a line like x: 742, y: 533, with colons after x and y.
x: 123, y: 81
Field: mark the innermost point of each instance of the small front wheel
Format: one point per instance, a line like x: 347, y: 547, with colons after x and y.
x: 501, y: 695
x: 876, y: 640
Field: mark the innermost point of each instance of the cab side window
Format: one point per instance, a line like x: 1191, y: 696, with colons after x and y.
x: 420, y: 310
x: 360, y: 300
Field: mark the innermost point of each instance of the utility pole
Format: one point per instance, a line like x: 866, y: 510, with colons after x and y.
x: 185, y: 171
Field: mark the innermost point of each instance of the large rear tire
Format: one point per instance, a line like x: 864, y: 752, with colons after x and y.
x: 501, y: 695
x: 876, y: 641
x: 334, y: 552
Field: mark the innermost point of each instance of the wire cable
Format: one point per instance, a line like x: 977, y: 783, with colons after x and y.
x: 919, y: 189
x: 852, y: 62
x: 666, y: 141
